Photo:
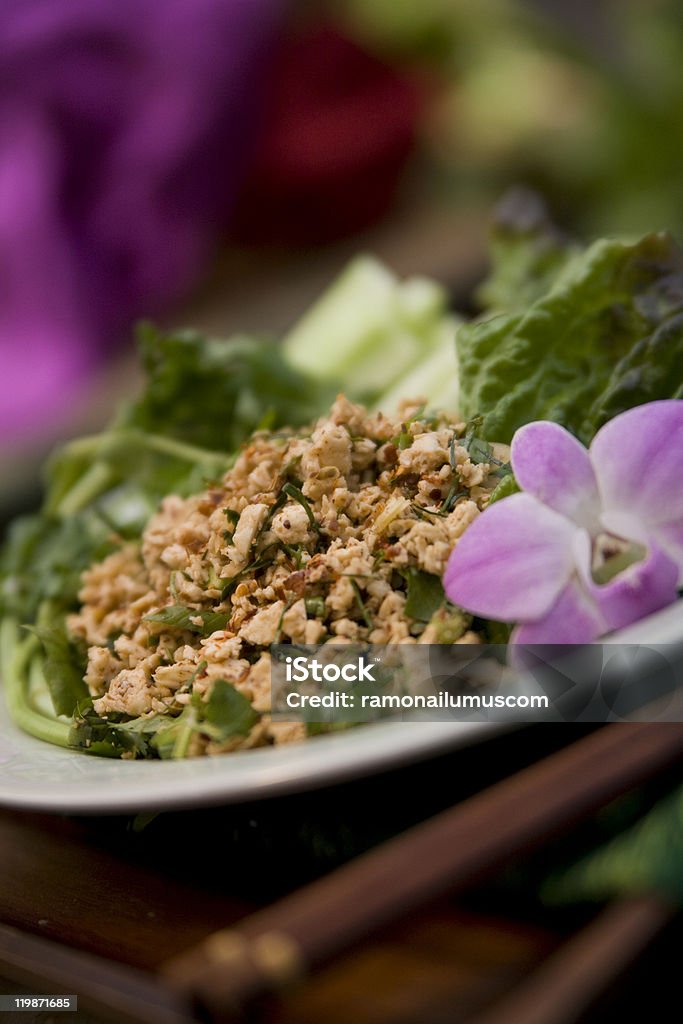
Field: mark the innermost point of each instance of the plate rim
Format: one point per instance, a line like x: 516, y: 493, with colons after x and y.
x: 204, y: 782
x: 271, y: 772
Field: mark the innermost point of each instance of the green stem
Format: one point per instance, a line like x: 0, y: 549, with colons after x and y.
x: 15, y: 657
x: 182, y: 744
x: 93, y: 482
x: 100, y: 475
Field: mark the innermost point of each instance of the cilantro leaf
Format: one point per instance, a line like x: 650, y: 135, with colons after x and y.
x: 114, y: 734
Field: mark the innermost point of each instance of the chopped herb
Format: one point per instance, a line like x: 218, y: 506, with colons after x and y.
x: 233, y: 519
x: 315, y: 606
x: 179, y: 616
x: 507, y: 486
x: 214, y: 582
x: 379, y: 557
x: 424, y: 513
x: 365, y: 614
x: 295, y: 552
x: 187, y: 686
x: 405, y: 438
x: 264, y: 559
x: 452, y: 498
x: 114, y: 734
x: 451, y: 453
x: 280, y: 621
x: 294, y: 492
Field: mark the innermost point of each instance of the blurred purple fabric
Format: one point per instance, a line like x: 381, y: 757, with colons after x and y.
x: 124, y: 126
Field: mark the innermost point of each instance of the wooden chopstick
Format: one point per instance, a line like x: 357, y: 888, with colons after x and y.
x: 114, y: 992
x: 571, y: 980
x: 446, y: 853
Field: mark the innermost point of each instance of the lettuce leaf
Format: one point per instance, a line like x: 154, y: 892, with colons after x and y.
x: 528, y: 251
x: 607, y: 335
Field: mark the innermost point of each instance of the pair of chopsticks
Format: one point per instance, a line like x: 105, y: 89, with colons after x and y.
x: 227, y: 972
x: 463, y: 845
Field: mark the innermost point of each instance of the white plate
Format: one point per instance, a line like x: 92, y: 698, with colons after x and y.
x: 37, y: 776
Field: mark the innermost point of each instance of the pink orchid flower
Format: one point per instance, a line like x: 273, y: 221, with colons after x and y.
x: 595, y: 540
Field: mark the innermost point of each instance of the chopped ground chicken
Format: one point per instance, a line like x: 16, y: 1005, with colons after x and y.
x: 308, y: 538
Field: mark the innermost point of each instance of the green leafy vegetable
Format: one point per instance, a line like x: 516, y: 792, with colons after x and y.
x: 214, y: 392
x: 62, y: 667
x: 425, y: 595
x: 114, y: 734
x: 527, y: 253
x: 178, y: 616
x: 606, y: 336
x: 228, y: 712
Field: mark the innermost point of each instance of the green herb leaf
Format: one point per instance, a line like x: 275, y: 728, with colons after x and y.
x: 365, y: 614
x: 113, y: 735
x: 178, y: 616
x: 228, y: 712
x: 63, y: 668
x: 214, y: 392
x: 233, y: 519
x: 425, y: 595
x: 507, y: 486
x: 264, y: 559
x: 292, y: 491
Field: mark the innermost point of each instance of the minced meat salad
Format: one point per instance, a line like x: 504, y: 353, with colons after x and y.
x: 332, y: 536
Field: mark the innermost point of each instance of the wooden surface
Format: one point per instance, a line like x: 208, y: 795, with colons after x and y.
x: 139, y: 895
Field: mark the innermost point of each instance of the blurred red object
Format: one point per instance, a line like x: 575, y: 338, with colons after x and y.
x: 339, y: 130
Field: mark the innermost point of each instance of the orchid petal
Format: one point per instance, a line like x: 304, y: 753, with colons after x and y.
x: 513, y: 561
x: 669, y: 537
x: 639, y: 590
x: 573, y: 619
x: 551, y: 464
x: 638, y: 462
